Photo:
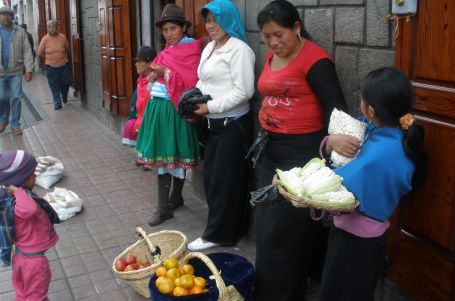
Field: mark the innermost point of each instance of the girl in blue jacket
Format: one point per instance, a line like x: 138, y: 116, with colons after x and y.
x: 391, y: 163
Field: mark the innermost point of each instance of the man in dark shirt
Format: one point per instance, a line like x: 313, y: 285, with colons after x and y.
x: 30, y: 39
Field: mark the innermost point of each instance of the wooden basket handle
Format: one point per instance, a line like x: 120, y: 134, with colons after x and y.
x: 155, y: 251
x: 218, y: 280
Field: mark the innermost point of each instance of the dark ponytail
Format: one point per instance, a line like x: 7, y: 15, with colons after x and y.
x: 389, y: 91
x: 413, y: 144
x: 284, y: 14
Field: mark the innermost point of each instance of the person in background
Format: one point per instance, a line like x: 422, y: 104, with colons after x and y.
x: 300, y: 88
x: 30, y: 39
x: 53, y: 49
x: 357, y: 242
x: 226, y: 73
x: 33, y: 230
x: 16, y: 55
x: 145, y: 56
x: 166, y: 142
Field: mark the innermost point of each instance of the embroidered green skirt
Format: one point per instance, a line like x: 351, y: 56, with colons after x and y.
x: 165, y: 140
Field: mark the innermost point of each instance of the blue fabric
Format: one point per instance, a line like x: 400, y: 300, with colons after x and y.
x: 6, y: 36
x: 10, y: 99
x: 227, y: 15
x: 7, y: 203
x: 59, y: 82
x: 381, y: 174
x: 235, y: 270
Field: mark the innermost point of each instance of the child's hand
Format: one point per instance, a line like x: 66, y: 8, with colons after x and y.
x: 345, y: 145
x: 159, y: 70
x: 202, y: 109
x: 12, y: 189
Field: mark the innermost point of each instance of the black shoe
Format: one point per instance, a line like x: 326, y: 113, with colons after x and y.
x: 57, y: 107
x: 65, y: 100
x: 160, y: 218
x: 177, y: 204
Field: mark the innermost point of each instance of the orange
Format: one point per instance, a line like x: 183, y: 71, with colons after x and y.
x: 158, y: 280
x: 180, y: 291
x: 166, y: 286
x: 161, y: 271
x: 188, y: 269
x: 177, y: 282
x: 196, y: 290
x: 205, y: 290
x: 171, y: 263
x: 199, y: 281
x: 173, y: 274
x: 186, y: 281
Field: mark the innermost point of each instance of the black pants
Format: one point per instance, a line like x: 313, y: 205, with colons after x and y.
x: 290, y: 246
x: 226, y: 179
x: 352, y: 267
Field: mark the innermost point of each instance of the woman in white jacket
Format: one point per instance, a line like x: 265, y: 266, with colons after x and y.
x: 226, y: 73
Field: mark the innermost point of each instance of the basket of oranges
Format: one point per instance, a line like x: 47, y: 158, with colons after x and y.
x: 137, y: 264
x: 195, y: 278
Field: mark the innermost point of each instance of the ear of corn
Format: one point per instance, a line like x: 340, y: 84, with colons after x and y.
x: 315, y: 181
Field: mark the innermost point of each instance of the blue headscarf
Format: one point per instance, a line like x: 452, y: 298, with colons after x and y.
x: 227, y: 15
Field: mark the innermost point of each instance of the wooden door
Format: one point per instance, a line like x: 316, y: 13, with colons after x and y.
x: 75, y: 45
x: 116, y: 41
x: 193, y: 14
x: 422, y: 237
x: 42, y: 26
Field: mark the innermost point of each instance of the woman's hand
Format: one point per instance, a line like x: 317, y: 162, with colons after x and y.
x: 202, y: 110
x: 12, y: 189
x: 345, y: 145
x: 158, y: 69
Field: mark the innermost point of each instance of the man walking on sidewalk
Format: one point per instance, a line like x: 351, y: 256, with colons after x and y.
x: 15, y: 55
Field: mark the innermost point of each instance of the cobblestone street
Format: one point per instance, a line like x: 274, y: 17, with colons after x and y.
x: 117, y: 196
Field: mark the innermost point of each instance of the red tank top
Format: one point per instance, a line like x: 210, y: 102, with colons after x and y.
x: 289, y: 105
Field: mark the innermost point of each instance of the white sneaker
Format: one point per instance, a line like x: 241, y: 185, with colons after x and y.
x: 199, y: 245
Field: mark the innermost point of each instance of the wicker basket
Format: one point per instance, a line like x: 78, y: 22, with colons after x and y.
x: 153, y: 248
x: 305, y: 203
x: 229, y: 293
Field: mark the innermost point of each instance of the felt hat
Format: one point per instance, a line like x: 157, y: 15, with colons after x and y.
x: 172, y: 12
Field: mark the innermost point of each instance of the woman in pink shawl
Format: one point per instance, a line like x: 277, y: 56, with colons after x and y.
x: 145, y: 56
x: 166, y: 142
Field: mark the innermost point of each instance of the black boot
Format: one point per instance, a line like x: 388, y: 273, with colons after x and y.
x: 163, y: 211
x: 176, y: 199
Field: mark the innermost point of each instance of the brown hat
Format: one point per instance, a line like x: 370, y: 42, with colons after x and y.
x: 172, y: 12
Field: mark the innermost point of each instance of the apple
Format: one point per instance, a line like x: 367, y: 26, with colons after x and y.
x: 130, y: 267
x: 143, y: 265
x: 120, y: 264
x: 130, y: 259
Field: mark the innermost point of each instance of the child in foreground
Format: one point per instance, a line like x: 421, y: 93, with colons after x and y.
x: 29, y: 227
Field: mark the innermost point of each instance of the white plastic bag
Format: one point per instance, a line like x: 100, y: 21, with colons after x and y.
x: 65, y: 202
x: 49, y: 171
x: 342, y: 123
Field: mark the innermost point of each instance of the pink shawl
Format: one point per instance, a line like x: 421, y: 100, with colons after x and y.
x: 143, y: 96
x: 182, y: 61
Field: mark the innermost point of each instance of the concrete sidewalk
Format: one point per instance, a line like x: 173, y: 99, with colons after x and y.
x: 117, y: 197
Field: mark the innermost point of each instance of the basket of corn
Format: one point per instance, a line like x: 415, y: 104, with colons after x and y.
x: 316, y: 186
x: 137, y: 263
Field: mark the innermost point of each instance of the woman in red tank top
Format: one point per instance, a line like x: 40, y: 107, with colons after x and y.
x: 300, y: 88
